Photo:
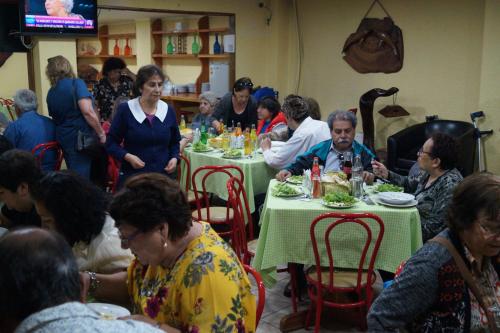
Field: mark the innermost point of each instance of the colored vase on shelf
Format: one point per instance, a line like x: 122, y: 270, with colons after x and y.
x: 170, y: 46
x: 195, y: 47
x: 128, y: 50
x: 217, y: 49
x: 116, y: 49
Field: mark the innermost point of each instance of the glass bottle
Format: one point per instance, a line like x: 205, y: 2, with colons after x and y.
x: 195, y: 47
x: 204, y: 134
x: 217, y: 49
x: 253, y: 137
x: 128, y: 50
x: 316, y: 179
x: 116, y: 49
x: 225, y: 140
x: 170, y: 46
x: 221, y: 128
x: 247, y: 143
x: 238, y: 129
x: 182, y: 124
x: 347, y: 164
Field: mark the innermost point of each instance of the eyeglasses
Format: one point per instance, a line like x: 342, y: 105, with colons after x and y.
x: 421, y: 151
x: 243, y: 84
x: 489, y: 233
x: 126, y: 240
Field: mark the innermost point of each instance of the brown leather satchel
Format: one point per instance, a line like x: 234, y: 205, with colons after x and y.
x: 376, y: 46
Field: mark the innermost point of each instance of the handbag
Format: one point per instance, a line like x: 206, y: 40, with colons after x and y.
x: 86, y: 143
x: 466, y: 274
x: 376, y: 46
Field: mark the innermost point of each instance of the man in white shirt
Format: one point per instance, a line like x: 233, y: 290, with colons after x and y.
x: 307, y: 133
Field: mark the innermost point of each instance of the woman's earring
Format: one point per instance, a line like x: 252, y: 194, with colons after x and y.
x: 165, y: 245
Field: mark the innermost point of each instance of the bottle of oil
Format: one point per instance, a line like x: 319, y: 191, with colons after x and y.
x: 253, y: 137
x: 182, y: 124
x: 248, y: 147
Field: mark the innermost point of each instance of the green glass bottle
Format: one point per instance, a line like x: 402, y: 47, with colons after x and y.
x: 170, y: 46
x: 195, y: 47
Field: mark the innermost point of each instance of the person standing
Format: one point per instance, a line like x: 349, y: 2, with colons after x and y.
x: 71, y: 108
x: 31, y: 128
x: 144, y: 134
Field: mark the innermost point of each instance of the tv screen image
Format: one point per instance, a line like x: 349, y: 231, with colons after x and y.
x: 69, y: 17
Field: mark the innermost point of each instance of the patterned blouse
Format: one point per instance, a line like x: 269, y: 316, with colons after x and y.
x: 207, y: 290
x: 105, y: 94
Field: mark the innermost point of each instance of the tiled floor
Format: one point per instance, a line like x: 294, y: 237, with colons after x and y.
x: 278, y: 306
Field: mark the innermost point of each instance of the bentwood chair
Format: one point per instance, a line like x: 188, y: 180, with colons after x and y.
x: 39, y: 152
x: 261, y: 301
x: 221, y: 218
x: 325, y: 283
x: 184, y: 167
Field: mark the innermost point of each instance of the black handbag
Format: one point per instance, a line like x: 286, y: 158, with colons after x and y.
x: 86, y: 143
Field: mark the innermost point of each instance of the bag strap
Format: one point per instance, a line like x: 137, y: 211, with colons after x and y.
x: 380, y: 4
x: 466, y: 274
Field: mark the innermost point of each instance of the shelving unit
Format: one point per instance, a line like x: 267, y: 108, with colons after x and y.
x: 104, y: 37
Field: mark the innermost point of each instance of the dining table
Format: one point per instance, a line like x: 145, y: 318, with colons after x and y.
x: 256, y: 172
x: 285, y: 236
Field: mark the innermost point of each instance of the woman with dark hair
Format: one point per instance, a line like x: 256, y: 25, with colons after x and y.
x: 238, y: 106
x: 185, y: 278
x: 270, y: 116
x: 431, y: 294
x: 76, y: 209
x: 144, y: 134
x: 433, y: 189
x: 71, y: 108
x: 117, y: 81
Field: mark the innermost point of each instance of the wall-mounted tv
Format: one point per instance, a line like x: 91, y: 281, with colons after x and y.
x: 58, y: 17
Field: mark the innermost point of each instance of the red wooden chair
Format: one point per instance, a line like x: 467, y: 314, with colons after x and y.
x: 184, y: 163
x: 261, y: 290
x: 221, y: 218
x: 399, y: 269
x: 326, y: 281
x: 40, y: 150
x: 113, y: 174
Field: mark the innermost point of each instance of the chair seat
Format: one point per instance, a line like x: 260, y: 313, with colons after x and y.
x: 252, y: 246
x: 191, y: 197
x: 217, y: 214
x: 342, y: 278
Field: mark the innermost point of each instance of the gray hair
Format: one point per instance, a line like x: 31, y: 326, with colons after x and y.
x: 25, y: 100
x: 68, y: 5
x: 342, y: 115
x: 210, y: 97
x: 296, y: 108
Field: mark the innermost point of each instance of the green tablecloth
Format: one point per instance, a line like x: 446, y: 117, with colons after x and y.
x: 256, y: 172
x: 284, y: 235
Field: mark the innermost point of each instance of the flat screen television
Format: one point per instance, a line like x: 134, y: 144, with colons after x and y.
x: 58, y: 17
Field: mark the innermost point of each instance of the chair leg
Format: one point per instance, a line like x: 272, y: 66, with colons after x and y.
x: 309, y: 315
x: 293, y: 285
x: 319, y: 308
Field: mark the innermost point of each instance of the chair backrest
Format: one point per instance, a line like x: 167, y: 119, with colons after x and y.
x: 40, y: 150
x: 261, y: 289
x: 339, y: 219
x: 205, y: 172
x: 238, y: 201
x: 185, y: 162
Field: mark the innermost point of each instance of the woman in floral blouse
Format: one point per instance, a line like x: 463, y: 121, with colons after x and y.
x: 117, y: 81
x: 185, y: 278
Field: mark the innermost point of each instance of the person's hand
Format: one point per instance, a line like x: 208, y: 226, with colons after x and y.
x: 128, y: 73
x: 265, y: 144
x: 189, y: 137
x: 102, y: 138
x: 283, y: 175
x: 134, y: 161
x: 216, y: 125
x: 84, y: 286
x: 379, y: 169
x: 368, y: 177
x: 172, y: 164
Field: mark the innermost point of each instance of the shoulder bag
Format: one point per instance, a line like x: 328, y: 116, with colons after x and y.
x: 86, y: 143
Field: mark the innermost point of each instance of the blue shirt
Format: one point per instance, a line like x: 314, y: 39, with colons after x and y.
x: 154, y: 143
x: 28, y: 131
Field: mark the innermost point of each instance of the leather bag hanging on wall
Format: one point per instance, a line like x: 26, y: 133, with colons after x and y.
x: 376, y: 46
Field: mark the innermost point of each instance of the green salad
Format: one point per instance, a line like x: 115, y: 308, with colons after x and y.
x: 295, y: 179
x: 339, y: 198
x: 388, y: 188
x: 200, y: 146
x: 284, y: 190
x: 232, y: 153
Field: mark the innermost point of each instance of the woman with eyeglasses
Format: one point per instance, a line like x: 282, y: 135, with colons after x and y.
x: 434, y: 187
x: 431, y: 293
x: 238, y: 106
x: 185, y: 278
x: 76, y: 209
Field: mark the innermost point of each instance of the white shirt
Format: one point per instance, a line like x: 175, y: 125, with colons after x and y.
x: 309, y: 133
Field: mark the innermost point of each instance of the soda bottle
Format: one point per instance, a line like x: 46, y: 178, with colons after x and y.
x: 225, y: 140
x: 347, y: 164
x: 221, y: 128
x: 238, y: 129
x: 203, y: 135
x: 315, y: 178
x: 182, y: 124
x: 247, y: 143
x: 253, y: 137
x: 357, y: 168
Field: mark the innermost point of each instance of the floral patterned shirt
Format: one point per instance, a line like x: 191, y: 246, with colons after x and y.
x: 105, y: 94
x: 207, y: 290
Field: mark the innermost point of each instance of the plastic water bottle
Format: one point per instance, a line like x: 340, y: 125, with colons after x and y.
x: 196, y: 136
x: 357, y: 177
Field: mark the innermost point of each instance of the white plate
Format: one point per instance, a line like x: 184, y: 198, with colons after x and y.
x: 396, y: 198
x: 2, y: 231
x: 202, y: 151
x: 337, y: 205
x: 295, y: 182
x: 412, y: 203
x: 109, y: 311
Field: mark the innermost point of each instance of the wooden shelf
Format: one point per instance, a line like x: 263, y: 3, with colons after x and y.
x: 87, y: 56
x: 188, y: 31
x: 191, y: 56
x: 117, y: 36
